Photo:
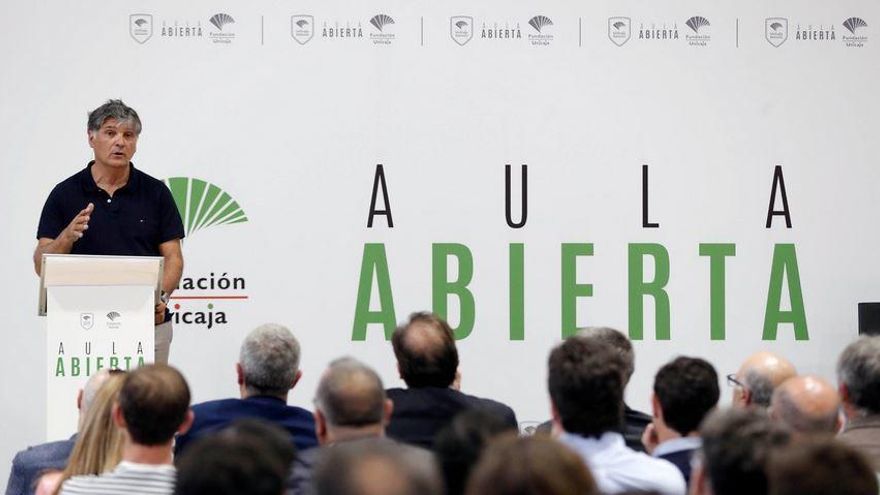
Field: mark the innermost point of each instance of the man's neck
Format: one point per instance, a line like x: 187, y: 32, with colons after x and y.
x: 156, y: 455
x: 106, y: 176
x: 245, y: 394
x: 347, y: 433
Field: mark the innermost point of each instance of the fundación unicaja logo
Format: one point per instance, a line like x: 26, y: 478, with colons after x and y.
x: 202, y: 204
x: 223, y: 34
x: 619, y: 30
x: 382, y: 23
x: 461, y: 29
x: 856, y: 37
x: 776, y: 30
x: 113, y: 320
x: 699, y: 35
x: 302, y: 28
x: 140, y: 27
x: 541, y: 36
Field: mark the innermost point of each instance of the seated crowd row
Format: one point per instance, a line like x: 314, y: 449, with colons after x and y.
x: 785, y: 433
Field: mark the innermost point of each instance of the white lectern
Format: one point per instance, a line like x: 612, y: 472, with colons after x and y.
x: 100, y: 314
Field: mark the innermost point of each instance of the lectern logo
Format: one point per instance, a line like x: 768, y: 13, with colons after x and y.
x: 382, y: 23
x: 856, y: 27
x: 202, y: 204
x: 541, y: 24
x: 700, y: 28
x: 223, y: 34
x: 113, y: 316
x: 86, y: 320
x: 776, y: 30
x: 302, y: 28
x: 619, y: 30
x: 461, y: 29
x: 140, y: 27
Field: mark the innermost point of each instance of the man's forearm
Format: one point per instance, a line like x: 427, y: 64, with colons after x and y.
x: 172, y: 273
x: 50, y: 246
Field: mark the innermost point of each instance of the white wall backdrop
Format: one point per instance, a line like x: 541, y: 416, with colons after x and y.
x: 293, y: 132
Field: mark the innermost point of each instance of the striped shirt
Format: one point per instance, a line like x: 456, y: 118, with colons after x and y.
x: 128, y: 478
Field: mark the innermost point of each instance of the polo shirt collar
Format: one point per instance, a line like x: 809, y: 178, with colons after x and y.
x: 88, y: 181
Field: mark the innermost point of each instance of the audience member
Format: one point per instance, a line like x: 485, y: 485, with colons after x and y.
x: 634, y: 422
x: 153, y: 405
x: 98, y: 447
x: 377, y: 466
x: 737, y: 444
x: 251, y: 457
x: 29, y: 464
x: 536, y: 465
x: 820, y: 466
x: 350, y: 404
x: 586, y: 378
x: 459, y: 445
x: 858, y: 376
x: 806, y: 404
x: 757, y: 377
x: 268, y: 368
x: 427, y: 361
x: 685, y: 391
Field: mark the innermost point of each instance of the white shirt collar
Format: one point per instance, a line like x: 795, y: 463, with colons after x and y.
x: 677, y: 445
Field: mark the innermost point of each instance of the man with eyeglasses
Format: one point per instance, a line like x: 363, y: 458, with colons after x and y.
x: 758, y: 376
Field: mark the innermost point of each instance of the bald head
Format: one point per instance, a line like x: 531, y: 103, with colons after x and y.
x: 351, y: 395
x: 425, y: 351
x: 806, y: 404
x: 759, y: 375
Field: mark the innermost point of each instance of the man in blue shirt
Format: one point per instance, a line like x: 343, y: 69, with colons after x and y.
x: 267, y: 369
x: 112, y: 208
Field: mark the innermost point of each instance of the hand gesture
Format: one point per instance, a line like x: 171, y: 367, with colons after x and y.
x: 80, y: 223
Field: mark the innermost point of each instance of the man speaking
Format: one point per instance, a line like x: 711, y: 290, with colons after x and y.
x: 112, y: 208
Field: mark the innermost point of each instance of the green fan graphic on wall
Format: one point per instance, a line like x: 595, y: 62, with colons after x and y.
x: 202, y: 204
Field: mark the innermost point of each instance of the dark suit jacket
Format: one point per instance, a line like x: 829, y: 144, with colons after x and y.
x: 29, y: 464
x: 419, y: 413
x: 217, y: 414
x: 634, y: 423
x: 682, y: 460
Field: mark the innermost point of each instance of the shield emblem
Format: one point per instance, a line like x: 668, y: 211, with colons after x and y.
x: 86, y: 320
x: 140, y: 26
x: 776, y: 30
x: 461, y: 29
x: 302, y: 28
x: 619, y: 30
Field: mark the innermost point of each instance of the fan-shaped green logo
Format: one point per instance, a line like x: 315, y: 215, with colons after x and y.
x: 202, y: 204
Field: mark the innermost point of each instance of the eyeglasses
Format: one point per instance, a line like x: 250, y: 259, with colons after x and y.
x: 733, y: 382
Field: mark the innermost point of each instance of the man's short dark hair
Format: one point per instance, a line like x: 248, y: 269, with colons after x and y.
x: 425, y: 351
x: 820, y: 466
x: 154, y: 401
x: 113, y: 109
x: 737, y: 444
x: 248, y: 458
x: 585, y: 380
x: 351, y: 394
x: 687, y: 389
x: 458, y: 446
x: 617, y: 340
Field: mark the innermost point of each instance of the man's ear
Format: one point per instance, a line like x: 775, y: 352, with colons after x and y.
x: 239, y: 372
x: 320, y: 427
x: 844, y: 393
x: 79, y: 400
x: 747, y: 396
x: 118, y: 418
x: 299, y: 375
x: 91, y: 136
x: 187, y: 422
x: 656, y: 409
x: 387, y: 411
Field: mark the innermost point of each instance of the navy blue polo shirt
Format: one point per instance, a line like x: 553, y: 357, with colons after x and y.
x: 140, y: 215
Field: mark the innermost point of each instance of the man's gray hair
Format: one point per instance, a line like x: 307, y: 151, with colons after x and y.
x: 269, y: 360
x: 760, y: 388
x: 617, y: 340
x: 350, y: 394
x: 113, y: 109
x: 858, y: 369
